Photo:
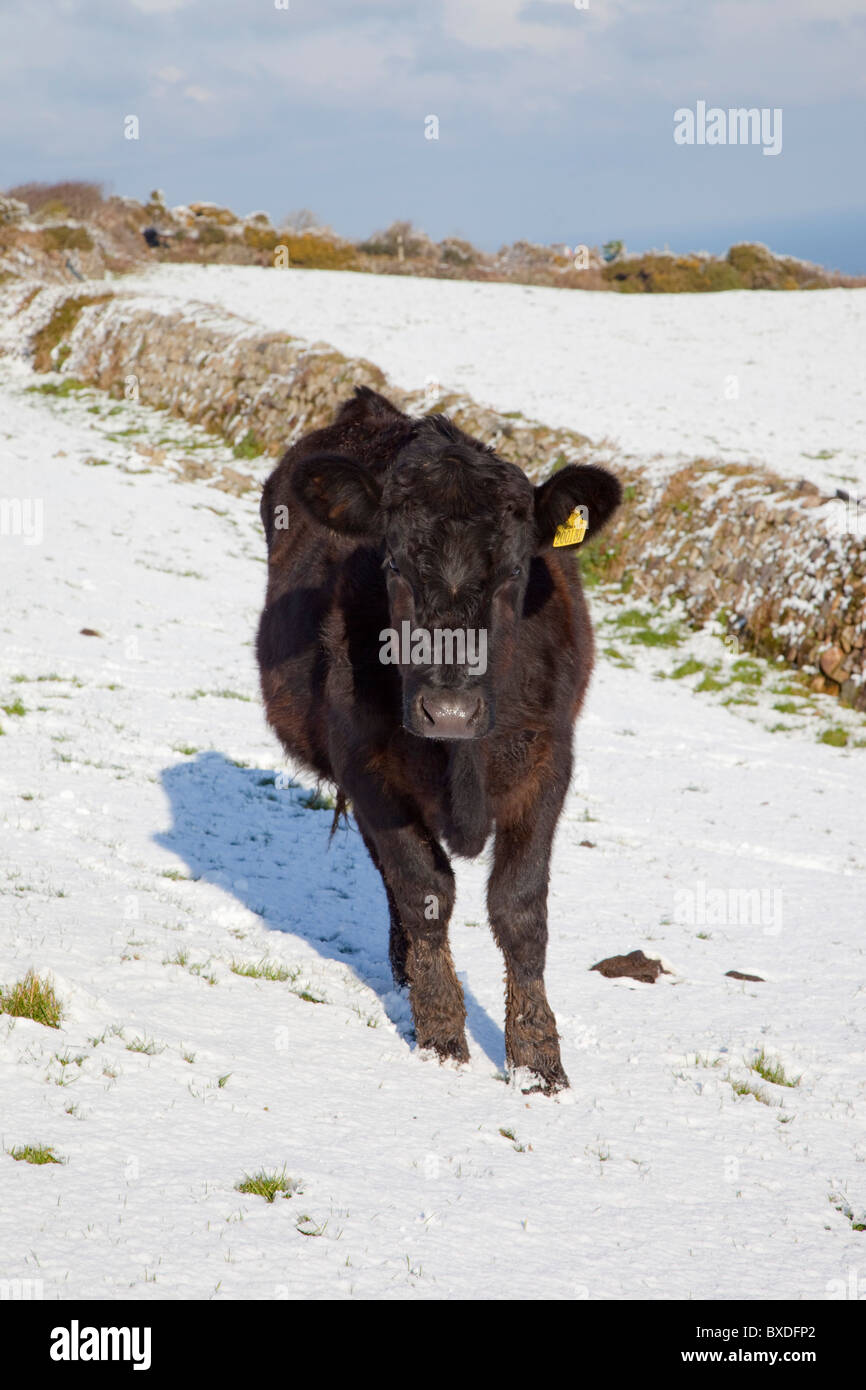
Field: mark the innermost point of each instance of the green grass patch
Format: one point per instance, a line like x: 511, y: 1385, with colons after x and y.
x: 267, y: 1185
x: 687, y: 668
x: 748, y: 1088
x: 221, y: 695
x: 34, y: 1153
x: 636, y: 627
x: 595, y: 557
x: 747, y: 672
x: 262, y: 970
x: 310, y: 998
x: 710, y: 682
x: 67, y: 680
x: 248, y: 447
x: 772, y: 1071
x: 145, y: 1045
x: 33, y: 998
x: 200, y: 970
x: 837, y: 737
x: 615, y: 655
x: 63, y: 388
x: 66, y: 1059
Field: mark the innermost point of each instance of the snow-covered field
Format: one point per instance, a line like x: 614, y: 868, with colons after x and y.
x: 773, y: 378
x: 149, y: 844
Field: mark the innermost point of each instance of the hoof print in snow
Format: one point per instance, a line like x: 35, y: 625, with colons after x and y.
x: 636, y: 965
x: 738, y: 975
x: 587, y: 844
x: 89, y: 632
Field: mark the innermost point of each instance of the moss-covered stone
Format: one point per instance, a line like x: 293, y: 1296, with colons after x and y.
x: 60, y: 326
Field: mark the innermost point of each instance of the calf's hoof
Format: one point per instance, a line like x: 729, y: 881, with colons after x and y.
x: 452, y: 1049
x: 545, y: 1076
x: 531, y: 1040
x: 437, y: 1003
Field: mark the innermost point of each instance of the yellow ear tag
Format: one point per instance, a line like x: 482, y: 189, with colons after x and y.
x: 572, y: 531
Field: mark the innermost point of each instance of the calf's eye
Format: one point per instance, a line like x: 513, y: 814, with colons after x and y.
x: 392, y: 565
x: 516, y: 572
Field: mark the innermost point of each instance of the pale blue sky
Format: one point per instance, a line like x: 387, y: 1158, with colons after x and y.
x: 555, y: 123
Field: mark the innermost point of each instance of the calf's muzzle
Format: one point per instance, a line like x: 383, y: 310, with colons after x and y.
x: 449, y: 713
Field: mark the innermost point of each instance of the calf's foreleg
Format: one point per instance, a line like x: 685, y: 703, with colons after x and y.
x: 420, y: 887
x: 517, y: 906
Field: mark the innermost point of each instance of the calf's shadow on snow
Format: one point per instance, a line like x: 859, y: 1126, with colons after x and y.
x: 267, y: 846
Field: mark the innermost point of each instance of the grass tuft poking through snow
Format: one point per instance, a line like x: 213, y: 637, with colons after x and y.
x: 773, y: 1072
x: 145, y: 1045
x: 858, y: 1220
x: 748, y: 1088
x: 263, y: 970
x: 34, y: 1153
x: 33, y: 998
x: 268, y: 1185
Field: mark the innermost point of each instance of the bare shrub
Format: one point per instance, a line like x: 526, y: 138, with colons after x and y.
x: 74, y: 198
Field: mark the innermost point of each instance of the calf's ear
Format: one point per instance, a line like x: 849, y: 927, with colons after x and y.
x: 576, y: 485
x: 339, y: 493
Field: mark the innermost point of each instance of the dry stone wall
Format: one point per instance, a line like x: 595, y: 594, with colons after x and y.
x: 783, y: 563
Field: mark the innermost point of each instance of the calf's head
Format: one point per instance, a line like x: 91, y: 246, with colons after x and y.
x: 458, y: 530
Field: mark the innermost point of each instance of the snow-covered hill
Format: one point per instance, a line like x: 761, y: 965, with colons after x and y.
x: 746, y: 376
x: 150, y: 845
